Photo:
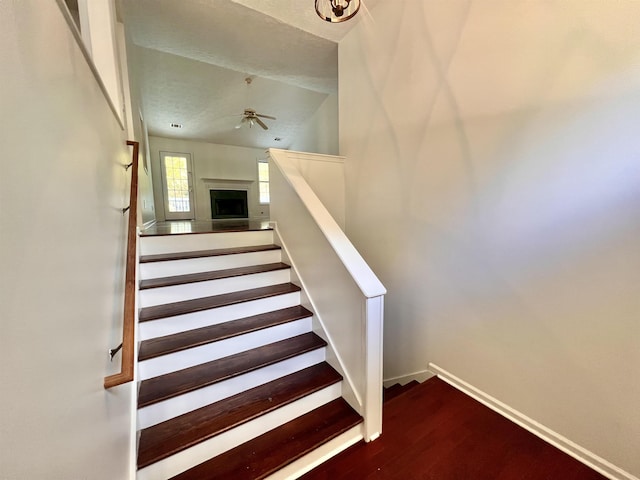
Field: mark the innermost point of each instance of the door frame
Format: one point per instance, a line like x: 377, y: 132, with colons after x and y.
x: 191, y: 214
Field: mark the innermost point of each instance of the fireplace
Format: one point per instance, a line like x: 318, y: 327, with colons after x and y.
x: 229, y: 204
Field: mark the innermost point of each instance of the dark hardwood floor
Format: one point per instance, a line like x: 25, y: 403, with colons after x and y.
x: 180, y: 227
x: 436, y: 432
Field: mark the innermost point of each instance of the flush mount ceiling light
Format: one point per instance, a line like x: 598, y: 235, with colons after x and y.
x: 336, y: 11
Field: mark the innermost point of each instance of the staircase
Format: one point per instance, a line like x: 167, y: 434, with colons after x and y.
x: 233, y: 382
x: 398, y: 389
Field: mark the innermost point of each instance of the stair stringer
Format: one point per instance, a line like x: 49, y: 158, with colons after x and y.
x: 349, y: 392
x: 320, y: 455
x: 133, y: 405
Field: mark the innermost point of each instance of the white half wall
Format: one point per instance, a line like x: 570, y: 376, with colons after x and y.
x: 62, y: 250
x: 493, y: 183
x: 325, y: 175
x: 212, y: 163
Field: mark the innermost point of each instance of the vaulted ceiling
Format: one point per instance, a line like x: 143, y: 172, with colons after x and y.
x: 191, y: 59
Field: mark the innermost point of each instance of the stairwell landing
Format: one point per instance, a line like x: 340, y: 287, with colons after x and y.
x: 233, y: 382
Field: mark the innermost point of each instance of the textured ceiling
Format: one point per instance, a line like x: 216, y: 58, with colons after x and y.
x: 191, y: 58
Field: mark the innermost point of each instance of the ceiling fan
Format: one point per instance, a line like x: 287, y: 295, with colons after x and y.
x: 251, y: 117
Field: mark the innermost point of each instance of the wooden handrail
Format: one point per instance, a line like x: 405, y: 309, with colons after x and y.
x: 128, y: 324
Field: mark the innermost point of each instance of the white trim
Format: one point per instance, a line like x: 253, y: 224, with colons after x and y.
x: 374, y: 318
x: 87, y: 55
x: 260, y: 181
x: 227, y: 183
x: 319, y: 455
x: 419, y: 376
x: 191, y: 214
x: 134, y: 385
x: 318, y: 157
x: 581, y: 454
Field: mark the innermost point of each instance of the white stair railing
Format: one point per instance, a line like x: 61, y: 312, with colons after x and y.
x: 346, y: 295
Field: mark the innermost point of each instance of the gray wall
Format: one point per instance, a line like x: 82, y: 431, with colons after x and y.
x: 62, y: 240
x: 493, y: 183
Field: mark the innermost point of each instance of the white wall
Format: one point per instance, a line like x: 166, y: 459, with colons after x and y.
x: 214, y: 162
x: 136, y: 127
x: 320, y: 133
x: 62, y: 239
x: 493, y: 183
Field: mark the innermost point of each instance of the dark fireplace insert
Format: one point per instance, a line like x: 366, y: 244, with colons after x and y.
x: 229, y: 204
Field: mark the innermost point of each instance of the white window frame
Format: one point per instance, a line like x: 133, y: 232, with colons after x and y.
x: 263, y: 182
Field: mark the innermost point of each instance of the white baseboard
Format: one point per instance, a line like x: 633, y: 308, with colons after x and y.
x: 581, y: 454
x: 420, y: 376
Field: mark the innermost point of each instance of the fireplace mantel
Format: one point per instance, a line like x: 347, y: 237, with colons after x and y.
x: 226, y: 181
x: 211, y: 184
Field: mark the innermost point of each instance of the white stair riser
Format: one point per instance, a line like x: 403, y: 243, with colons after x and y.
x: 207, y: 264
x: 155, y: 245
x: 201, y: 452
x: 188, y: 291
x: 214, y: 316
x: 223, y: 348
x: 319, y: 455
x: 162, y: 411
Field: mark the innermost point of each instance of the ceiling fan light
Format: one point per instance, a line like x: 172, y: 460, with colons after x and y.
x: 336, y: 11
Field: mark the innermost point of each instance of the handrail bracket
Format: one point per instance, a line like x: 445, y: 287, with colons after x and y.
x: 114, y: 351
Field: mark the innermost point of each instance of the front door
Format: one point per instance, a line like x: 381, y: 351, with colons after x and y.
x: 177, y: 185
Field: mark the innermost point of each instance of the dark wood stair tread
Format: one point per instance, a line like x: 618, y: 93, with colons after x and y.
x: 264, y: 455
x: 397, y: 389
x: 212, y: 275
x: 163, y: 257
x: 172, y: 384
x: 156, y: 347
x: 392, y: 391
x: 179, y: 433
x: 214, y: 301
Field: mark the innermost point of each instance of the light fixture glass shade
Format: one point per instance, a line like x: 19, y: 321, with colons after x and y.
x: 336, y: 11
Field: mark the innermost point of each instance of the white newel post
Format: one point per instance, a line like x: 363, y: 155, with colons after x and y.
x: 374, y: 312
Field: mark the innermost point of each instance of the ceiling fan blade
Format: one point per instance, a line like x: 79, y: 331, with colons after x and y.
x: 265, y: 116
x: 261, y: 123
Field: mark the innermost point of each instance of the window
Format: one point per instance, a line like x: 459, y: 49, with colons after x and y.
x: 177, y: 186
x: 263, y: 180
x: 175, y: 170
